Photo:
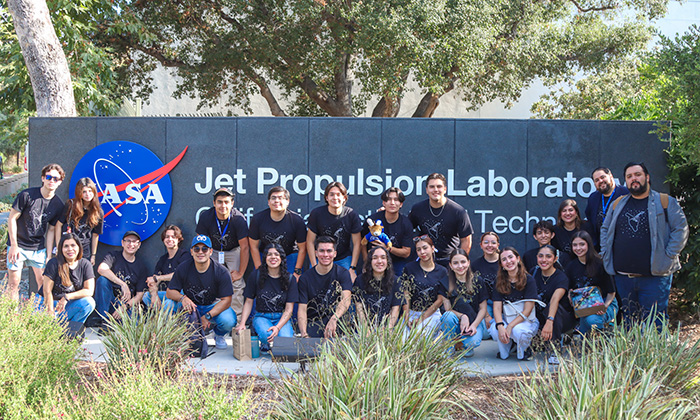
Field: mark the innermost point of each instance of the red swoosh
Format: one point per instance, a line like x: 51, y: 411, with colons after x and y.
x: 148, y: 179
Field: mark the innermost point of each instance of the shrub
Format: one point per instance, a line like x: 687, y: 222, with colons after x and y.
x: 637, y: 373
x: 34, y: 357
x: 154, y: 337
x: 375, y: 373
x: 3, y: 237
x: 144, y: 392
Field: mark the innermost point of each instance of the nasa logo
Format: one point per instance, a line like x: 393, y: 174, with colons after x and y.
x: 133, y: 186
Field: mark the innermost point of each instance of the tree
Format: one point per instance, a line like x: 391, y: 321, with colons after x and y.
x: 330, y: 57
x: 94, y: 78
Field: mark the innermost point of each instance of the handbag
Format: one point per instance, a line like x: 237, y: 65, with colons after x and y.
x: 512, y: 309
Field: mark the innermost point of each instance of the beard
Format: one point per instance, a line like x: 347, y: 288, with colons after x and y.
x: 638, y: 189
x: 605, y: 189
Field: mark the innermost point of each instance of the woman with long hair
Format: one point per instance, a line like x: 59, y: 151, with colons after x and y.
x: 376, y: 292
x: 83, y: 216
x: 569, y: 222
x: 420, y: 282
x: 464, y: 302
x: 69, y: 282
x: 552, y: 285
x: 486, y: 268
x: 274, y: 291
x: 513, y: 284
x: 587, y: 270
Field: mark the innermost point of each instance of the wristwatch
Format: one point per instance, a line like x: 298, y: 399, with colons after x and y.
x: 207, y: 316
x: 551, y: 318
x: 353, y: 267
x: 297, y: 271
x: 498, y: 324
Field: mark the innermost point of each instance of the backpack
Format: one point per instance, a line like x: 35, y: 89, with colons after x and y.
x: 198, y: 341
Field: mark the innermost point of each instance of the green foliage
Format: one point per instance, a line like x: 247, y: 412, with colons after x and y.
x: 34, y: 358
x: 637, y: 373
x: 375, y: 373
x: 96, y: 71
x: 149, y: 337
x: 145, y: 393
x: 314, y: 49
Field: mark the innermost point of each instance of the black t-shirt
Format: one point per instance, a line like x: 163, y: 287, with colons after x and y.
x: 400, y: 233
x: 377, y: 304
x: 445, y: 226
x: 422, y: 287
x: 341, y: 227
x: 133, y: 273
x: 632, y: 244
x: 270, y: 297
x: 528, y: 292
x: 35, y: 214
x: 288, y: 232
x: 166, y: 266
x: 202, y: 288
x: 576, y: 272
x: 82, y: 272
x: 224, y: 234
x: 322, y: 293
x: 487, y: 271
x: 461, y: 300
x: 82, y: 229
x: 562, y: 238
x: 546, y: 286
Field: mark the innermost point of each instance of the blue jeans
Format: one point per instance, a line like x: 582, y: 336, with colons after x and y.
x: 223, y: 323
x: 449, y: 325
x: 263, y: 321
x: 344, y: 262
x: 104, y: 296
x: 76, y: 310
x: 398, y: 267
x: 168, y: 304
x: 639, y: 295
x: 598, y: 321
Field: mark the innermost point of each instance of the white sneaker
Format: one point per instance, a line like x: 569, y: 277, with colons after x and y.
x: 220, y: 342
x: 553, y: 360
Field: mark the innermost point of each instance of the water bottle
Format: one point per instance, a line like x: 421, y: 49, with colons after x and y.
x: 255, y: 347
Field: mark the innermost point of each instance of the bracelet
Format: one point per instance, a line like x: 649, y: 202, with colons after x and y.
x: 498, y: 324
x: 181, y: 297
x: 551, y: 318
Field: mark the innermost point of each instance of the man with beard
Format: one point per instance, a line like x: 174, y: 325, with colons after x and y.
x: 640, y: 241
x: 599, y: 201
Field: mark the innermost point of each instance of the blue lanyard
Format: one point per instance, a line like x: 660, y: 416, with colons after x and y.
x: 605, y: 205
x: 221, y: 234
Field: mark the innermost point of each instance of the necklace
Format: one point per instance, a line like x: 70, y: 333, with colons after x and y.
x: 545, y: 279
x: 425, y: 273
x: 431, y: 210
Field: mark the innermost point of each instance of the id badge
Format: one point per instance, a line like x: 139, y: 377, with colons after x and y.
x: 221, y: 257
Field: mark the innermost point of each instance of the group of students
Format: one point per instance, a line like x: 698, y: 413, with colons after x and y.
x: 440, y: 291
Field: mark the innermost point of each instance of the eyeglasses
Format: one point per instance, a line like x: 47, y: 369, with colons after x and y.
x: 131, y: 241
x: 53, y: 178
x: 202, y: 249
x: 420, y: 238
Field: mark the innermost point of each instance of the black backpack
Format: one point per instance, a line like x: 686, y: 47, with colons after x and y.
x: 198, y: 341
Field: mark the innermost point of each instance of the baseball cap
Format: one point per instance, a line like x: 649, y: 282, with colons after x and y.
x: 224, y: 191
x: 131, y: 233
x: 201, y: 239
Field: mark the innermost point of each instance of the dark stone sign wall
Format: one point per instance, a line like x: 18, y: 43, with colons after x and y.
x: 507, y: 173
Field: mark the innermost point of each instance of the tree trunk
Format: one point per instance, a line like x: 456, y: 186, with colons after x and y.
x: 387, y: 108
x: 426, y: 107
x: 44, y: 57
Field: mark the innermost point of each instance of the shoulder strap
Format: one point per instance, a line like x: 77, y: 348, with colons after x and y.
x: 617, y: 200
x: 664, y: 204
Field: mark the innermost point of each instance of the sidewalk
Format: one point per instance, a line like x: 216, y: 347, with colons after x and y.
x: 483, y: 363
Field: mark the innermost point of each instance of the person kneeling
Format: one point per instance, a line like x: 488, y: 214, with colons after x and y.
x: 69, y: 282
x: 207, y: 289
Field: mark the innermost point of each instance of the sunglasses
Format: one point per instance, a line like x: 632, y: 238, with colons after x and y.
x: 420, y: 238
x: 53, y: 178
x: 202, y: 249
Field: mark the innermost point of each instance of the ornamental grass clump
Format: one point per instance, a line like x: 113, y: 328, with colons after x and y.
x: 154, y: 337
x: 34, y: 357
x: 378, y: 373
x: 632, y: 373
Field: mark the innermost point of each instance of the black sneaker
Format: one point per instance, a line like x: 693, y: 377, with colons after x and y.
x: 528, y: 354
x: 498, y: 356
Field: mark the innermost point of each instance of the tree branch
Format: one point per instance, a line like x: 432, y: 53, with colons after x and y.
x: 591, y: 9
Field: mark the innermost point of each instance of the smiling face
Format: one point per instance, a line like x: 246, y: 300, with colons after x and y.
x: 278, y: 201
x: 510, y: 261
x: 170, y: 239
x: 424, y: 250
x: 568, y: 214
x: 543, y: 236
x: 325, y: 253
x: 273, y: 259
x: 201, y: 253
x: 223, y: 205
x: 459, y: 264
x: 335, y: 198
x: 489, y: 244
x: 579, y: 247
x: 436, y: 190
x: 603, y: 181
x: 546, y: 259
x: 379, y: 262
x: 131, y: 244
x: 70, y: 250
